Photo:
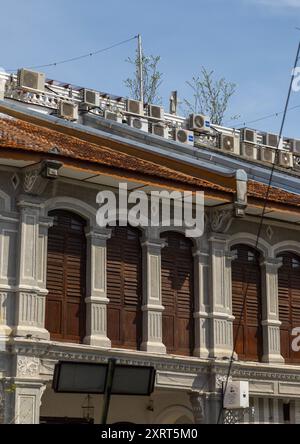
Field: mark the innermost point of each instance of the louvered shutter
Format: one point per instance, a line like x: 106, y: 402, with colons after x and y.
x: 289, y: 303
x: 66, y: 278
x: 124, y: 288
x: 246, y: 278
x: 177, y: 294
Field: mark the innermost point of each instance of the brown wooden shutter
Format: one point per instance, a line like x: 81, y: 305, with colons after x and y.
x: 66, y: 278
x: 246, y: 277
x: 178, y: 294
x: 124, y: 288
x: 289, y: 303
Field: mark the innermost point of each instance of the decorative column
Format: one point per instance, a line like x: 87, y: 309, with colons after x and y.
x: 31, y: 292
x: 23, y: 392
x: 96, y: 300
x: 270, y: 312
x: 220, y: 294
x: 201, y: 314
x: 152, y: 300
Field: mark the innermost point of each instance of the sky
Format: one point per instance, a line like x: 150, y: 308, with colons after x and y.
x: 252, y: 43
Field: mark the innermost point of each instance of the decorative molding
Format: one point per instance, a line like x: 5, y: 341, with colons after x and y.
x: 221, y: 219
x: 28, y: 366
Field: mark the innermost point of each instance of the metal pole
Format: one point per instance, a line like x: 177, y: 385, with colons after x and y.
x: 141, y: 79
x: 107, y: 394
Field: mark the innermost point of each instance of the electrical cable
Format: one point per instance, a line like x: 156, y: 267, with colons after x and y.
x: 266, y: 200
x: 268, y: 116
x: 80, y: 57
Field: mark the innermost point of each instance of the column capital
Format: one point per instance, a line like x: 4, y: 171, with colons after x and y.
x: 103, y: 234
x: 272, y: 264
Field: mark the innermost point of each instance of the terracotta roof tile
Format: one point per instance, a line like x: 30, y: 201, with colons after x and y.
x: 17, y: 134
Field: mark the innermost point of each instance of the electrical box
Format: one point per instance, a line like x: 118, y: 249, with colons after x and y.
x: 236, y: 395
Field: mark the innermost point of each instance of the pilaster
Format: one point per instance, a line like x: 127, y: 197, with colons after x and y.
x: 152, y: 299
x: 97, y: 301
x: 270, y: 312
x: 220, y: 293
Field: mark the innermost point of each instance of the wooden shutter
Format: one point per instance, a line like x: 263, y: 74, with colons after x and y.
x: 246, y: 277
x: 289, y: 303
x: 178, y: 294
x: 124, y: 288
x: 66, y: 278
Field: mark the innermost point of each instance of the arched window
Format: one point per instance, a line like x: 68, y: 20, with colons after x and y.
x: 289, y: 303
x: 178, y: 294
x: 124, y: 288
x: 66, y: 277
x: 246, y: 278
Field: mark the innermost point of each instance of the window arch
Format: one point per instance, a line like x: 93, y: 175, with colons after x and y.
x: 66, y: 277
x: 177, y: 269
x: 289, y: 303
x: 124, y: 288
x: 246, y: 277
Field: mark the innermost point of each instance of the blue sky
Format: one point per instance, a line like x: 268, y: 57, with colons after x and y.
x: 249, y: 42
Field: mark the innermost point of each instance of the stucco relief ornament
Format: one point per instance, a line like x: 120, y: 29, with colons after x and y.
x: 30, y: 179
x: 220, y: 220
x: 28, y: 366
x: 198, y: 405
x: 221, y: 379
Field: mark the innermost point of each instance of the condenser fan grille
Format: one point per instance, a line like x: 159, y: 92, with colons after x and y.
x: 182, y: 136
x: 68, y: 109
x: 30, y: 80
x: 137, y: 124
x: 199, y: 122
x: 134, y: 106
x: 249, y: 135
x: 158, y: 130
x: 228, y: 143
x: 90, y: 97
x: 155, y: 111
x: 272, y: 140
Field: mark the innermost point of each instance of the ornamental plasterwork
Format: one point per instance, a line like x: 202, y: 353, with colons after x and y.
x: 221, y: 379
x: 162, y: 364
x: 221, y: 219
x: 28, y: 366
x: 30, y: 179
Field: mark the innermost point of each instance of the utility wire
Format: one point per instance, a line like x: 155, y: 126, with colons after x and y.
x: 260, y: 226
x: 268, y: 116
x: 80, y: 57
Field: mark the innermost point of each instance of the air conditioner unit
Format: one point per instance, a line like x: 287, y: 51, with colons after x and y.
x: 110, y: 115
x: 68, y: 110
x: 184, y: 136
x: 134, y: 107
x: 31, y: 80
x: 270, y: 140
x: 198, y: 122
x: 295, y: 145
x: 160, y: 130
x: 90, y: 98
x: 230, y: 144
x: 249, y: 151
x: 156, y: 111
x: 285, y: 159
x: 236, y: 395
x: 249, y: 135
x: 267, y: 154
x: 139, y: 124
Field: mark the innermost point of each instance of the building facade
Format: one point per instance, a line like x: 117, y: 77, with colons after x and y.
x: 73, y: 291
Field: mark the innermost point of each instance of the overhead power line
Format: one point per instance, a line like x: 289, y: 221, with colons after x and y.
x: 268, y: 116
x: 80, y: 57
x: 259, y: 231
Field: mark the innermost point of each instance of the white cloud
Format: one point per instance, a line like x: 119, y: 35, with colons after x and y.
x: 278, y: 3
